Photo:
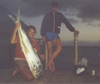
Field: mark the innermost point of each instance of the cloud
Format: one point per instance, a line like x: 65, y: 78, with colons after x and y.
x: 73, y: 20
x: 87, y: 10
x: 94, y: 25
x: 98, y: 25
x: 33, y: 8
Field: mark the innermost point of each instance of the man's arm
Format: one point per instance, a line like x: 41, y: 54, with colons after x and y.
x: 42, y: 32
x: 68, y: 25
x: 66, y: 22
x: 43, y: 26
x: 14, y: 34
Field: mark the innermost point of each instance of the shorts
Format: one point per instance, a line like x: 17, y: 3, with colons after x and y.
x: 50, y: 36
x: 20, y: 63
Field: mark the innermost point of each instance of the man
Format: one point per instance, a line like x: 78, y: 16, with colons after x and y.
x: 21, y: 65
x: 50, y: 29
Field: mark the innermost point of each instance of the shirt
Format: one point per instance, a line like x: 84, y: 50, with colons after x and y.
x: 18, y: 50
x: 52, y: 23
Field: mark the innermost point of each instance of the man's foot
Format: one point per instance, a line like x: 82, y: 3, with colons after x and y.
x: 15, y: 72
x: 54, y: 72
x: 51, y: 66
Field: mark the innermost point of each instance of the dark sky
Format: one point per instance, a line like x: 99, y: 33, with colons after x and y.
x: 31, y: 8
x: 84, y: 15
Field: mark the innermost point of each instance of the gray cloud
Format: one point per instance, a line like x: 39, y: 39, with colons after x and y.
x: 94, y: 25
x: 88, y: 10
x: 33, y: 8
x: 98, y: 25
x: 73, y: 20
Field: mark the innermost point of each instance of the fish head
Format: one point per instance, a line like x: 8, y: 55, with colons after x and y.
x: 37, y: 71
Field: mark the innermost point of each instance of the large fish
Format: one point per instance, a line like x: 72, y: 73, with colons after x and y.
x: 32, y: 57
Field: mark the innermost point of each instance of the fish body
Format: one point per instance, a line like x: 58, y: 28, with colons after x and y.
x: 31, y: 56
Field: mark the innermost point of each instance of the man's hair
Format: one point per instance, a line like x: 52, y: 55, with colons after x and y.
x: 54, y: 4
x: 28, y: 27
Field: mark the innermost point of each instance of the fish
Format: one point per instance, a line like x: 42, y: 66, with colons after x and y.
x: 33, y: 60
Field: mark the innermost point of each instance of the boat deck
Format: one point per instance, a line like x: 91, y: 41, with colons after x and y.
x: 64, y: 77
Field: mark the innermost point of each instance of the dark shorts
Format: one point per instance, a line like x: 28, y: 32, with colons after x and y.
x: 51, y: 36
x: 20, y: 63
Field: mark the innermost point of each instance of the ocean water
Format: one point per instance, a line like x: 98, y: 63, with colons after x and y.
x: 65, y: 58
x: 63, y: 61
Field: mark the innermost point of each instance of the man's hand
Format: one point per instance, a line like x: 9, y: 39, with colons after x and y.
x: 35, y: 50
x: 43, y: 38
x: 42, y: 56
x: 76, y: 32
x: 18, y: 24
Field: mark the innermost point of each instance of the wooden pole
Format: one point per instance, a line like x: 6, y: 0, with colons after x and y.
x: 46, y: 54
x: 75, y: 49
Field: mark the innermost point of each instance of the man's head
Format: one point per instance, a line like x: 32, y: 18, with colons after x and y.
x: 54, y: 6
x: 31, y: 30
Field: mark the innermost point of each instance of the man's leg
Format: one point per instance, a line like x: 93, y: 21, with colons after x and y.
x: 49, y: 46
x: 26, y: 73
x: 23, y: 69
x: 57, y: 43
x: 15, y: 72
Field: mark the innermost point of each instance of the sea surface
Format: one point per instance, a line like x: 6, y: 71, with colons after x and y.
x: 63, y: 61
x: 65, y: 58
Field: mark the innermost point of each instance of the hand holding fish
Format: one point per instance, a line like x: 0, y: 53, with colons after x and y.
x: 34, y: 62
x: 18, y: 25
x: 35, y: 50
